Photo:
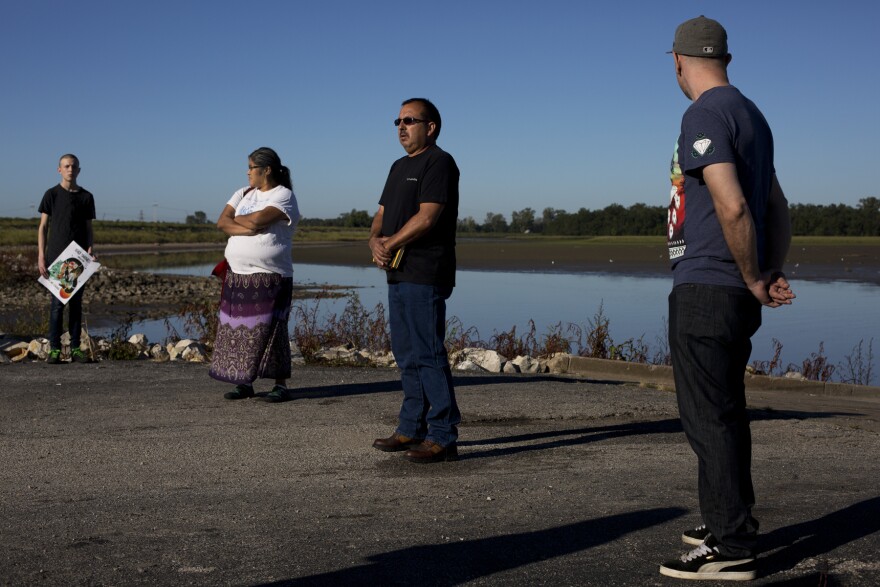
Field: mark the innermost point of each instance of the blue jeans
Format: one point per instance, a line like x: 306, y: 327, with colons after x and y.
x: 74, y: 320
x: 710, y: 330
x: 417, y: 315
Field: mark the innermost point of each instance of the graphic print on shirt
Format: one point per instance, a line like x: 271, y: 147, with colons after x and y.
x: 248, y: 206
x: 675, y: 216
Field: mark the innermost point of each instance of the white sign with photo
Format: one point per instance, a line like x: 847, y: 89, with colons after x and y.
x: 69, y: 272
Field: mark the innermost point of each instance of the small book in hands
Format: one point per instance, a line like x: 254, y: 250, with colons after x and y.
x: 395, y: 259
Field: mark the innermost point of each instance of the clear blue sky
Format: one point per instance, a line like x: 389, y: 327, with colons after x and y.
x: 545, y: 104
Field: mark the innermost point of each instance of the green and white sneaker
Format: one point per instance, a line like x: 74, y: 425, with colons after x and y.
x: 54, y: 357
x: 705, y: 562
x: 78, y: 356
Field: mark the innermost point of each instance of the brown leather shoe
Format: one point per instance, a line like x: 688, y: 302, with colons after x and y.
x: 431, y: 452
x: 396, y: 443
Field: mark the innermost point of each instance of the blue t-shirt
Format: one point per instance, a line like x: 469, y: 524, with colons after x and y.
x: 721, y: 126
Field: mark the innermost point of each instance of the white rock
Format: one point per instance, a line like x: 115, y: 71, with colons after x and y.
x: 140, y: 341
x: 509, y: 367
x: 159, y: 353
x: 182, y: 344
x: 489, y: 360
x: 527, y: 364
x: 16, y: 352
x: 384, y: 360
x: 797, y: 375
x: 38, y: 348
x: 195, y: 353
x: 558, y: 363
x: 468, y: 365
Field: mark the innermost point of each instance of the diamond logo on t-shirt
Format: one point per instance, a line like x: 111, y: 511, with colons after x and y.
x: 702, y: 146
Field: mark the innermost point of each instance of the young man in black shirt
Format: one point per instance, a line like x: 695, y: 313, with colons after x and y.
x: 66, y: 214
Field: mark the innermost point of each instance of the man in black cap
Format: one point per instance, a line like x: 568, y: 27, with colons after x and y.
x: 728, y: 235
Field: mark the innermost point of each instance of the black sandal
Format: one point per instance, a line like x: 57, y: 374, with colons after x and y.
x: 240, y: 392
x: 278, y: 394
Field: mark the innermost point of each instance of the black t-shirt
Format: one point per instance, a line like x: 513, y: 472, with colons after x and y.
x: 430, y: 177
x: 69, y: 213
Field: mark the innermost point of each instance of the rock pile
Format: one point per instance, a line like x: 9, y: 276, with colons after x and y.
x: 138, y: 347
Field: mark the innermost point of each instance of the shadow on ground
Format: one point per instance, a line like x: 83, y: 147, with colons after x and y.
x: 785, y: 547
x: 455, y: 563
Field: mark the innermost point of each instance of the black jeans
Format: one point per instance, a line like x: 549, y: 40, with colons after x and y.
x: 74, y: 320
x: 710, y: 330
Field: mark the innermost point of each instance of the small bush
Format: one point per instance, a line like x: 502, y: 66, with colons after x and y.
x: 816, y: 367
x: 771, y: 367
x: 356, y: 327
x: 508, y: 344
x: 599, y: 342
x: 458, y: 337
x: 858, y: 366
x: 120, y: 349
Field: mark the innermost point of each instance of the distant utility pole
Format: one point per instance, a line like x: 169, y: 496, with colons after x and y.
x: 154, y: 212
x: 141, y: 216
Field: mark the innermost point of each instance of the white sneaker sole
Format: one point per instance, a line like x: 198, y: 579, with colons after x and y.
x: 711, y: 575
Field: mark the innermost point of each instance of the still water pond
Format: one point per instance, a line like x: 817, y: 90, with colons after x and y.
x: 838, y: 314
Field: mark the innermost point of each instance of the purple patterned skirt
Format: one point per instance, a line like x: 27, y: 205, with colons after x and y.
x: 252, y: 339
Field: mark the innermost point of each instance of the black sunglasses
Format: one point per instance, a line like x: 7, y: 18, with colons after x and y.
x: 408, y: 121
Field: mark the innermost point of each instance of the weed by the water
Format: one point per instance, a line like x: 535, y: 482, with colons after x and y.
x: 120, y: 349
x: 200, y: 319
x: 816, y: 366
x: 598, y: 344
x: 356, y: 327
x: 508, y: 344
x: 858, y: 366
x: 458, y: 337
x: 773, y: 366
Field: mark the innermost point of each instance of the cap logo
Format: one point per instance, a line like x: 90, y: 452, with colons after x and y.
x: 708, y: 50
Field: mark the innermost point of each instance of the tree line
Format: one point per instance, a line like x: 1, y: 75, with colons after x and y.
x: 639, y: 220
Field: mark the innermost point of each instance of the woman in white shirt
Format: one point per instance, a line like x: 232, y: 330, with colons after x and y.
x: 252, y: 336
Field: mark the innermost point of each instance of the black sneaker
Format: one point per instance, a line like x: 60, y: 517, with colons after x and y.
x: 240, y: 392
x: 697, y: 536
x: 278, y: 394
x: 78, y: 356
x: 705, y: 562
x: 54, y: 357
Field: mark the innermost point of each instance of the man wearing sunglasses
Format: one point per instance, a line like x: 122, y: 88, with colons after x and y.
x: 412, y: 239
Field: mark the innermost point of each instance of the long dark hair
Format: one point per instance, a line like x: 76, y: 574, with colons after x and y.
x: 266, y: 157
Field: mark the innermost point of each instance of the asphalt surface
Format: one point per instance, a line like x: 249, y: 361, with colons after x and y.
x: 139, y: 473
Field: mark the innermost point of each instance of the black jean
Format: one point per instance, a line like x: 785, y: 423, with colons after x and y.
x: 710, y: 330
x: 74, y: 320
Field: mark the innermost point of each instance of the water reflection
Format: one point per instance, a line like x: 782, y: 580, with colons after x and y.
x: 840, y: 314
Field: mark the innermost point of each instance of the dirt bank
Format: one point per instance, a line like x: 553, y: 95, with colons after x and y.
x: 831, y: 262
